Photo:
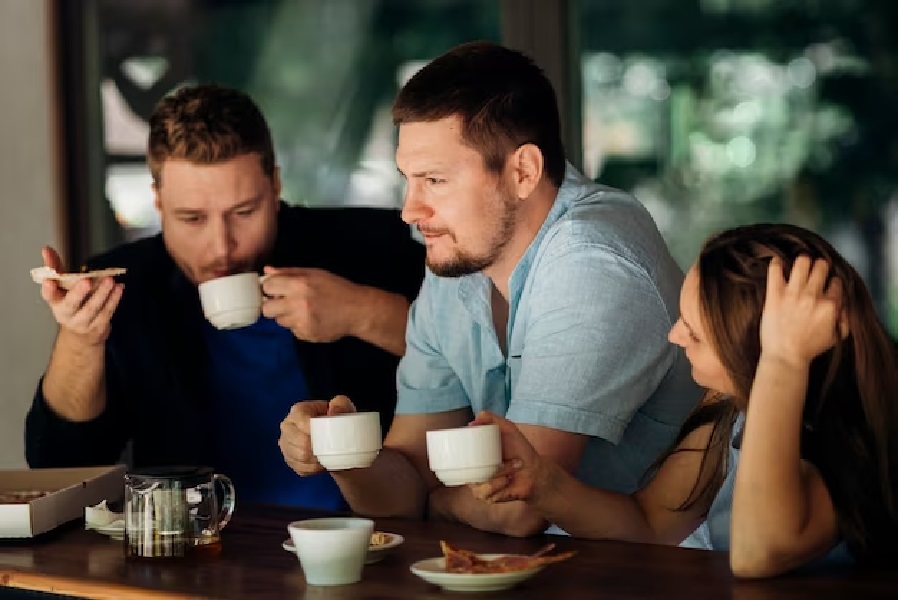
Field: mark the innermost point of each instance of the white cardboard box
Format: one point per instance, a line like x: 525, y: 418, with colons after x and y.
x: 70, y: 490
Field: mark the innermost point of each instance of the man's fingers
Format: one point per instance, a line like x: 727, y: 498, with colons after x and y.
x: 301, y: 412
x: 104, y: 315
x: 274, y: 307
x: 51, y: 292
x: 51, y: 259
x: 294, y: 442
x: 340, y: 405
x: 296, y: 445
x: 73, y: 301
x: 483, y: 418
x: 94, y: 303
x: 284, y: 282
x: 296, y: 449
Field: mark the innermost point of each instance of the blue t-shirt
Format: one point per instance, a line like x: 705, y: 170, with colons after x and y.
x: 255, y: 377
x: 591, y: 303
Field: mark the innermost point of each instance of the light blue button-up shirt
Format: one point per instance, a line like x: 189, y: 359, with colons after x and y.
x: 591, y: 303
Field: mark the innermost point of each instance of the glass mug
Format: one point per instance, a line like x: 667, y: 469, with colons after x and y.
x: 173, y: 511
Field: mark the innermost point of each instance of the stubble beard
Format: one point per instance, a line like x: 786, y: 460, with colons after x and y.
x: 465, y: 263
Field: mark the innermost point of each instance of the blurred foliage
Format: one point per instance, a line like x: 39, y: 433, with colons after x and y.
x: 751, y: 110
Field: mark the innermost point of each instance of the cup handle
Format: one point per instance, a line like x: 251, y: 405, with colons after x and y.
x: 262, y: 280
x: 229, y: 501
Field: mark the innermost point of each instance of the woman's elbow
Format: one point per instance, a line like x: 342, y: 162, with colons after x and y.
x: 756, y: 563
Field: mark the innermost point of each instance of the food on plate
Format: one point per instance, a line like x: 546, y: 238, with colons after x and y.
x: 465, y: 561
x: 20, y: 496
x: 379, y: 538
x: 67, y: 280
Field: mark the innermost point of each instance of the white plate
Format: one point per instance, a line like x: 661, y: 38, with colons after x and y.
x: 433, y: 570
x: 375, y: 553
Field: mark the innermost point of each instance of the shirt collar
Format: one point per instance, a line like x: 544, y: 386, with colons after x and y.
x: 474, y: 289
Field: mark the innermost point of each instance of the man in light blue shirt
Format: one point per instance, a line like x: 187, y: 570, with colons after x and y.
x: 548, y: 299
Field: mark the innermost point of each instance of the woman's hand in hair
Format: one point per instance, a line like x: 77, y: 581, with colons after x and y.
x: 524, y: 473
x: 801, y: 316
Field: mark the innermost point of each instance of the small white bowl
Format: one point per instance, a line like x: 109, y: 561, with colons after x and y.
x: 331, y: 550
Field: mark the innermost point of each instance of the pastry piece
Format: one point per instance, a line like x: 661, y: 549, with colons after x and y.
x: 21, y: 496
x: 67, y: 280
x: 379, y: 538
x: 465, y: 561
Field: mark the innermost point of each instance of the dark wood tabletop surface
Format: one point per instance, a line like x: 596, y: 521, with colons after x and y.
x: 253, y: 565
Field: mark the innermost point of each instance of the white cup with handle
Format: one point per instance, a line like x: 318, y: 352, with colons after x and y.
x: 232, y: 301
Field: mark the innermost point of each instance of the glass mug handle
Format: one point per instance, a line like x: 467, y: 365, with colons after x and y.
x: 228, y: 502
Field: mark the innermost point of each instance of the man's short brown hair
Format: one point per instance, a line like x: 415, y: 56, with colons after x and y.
x: 207, y: 124
x: 502, y: 97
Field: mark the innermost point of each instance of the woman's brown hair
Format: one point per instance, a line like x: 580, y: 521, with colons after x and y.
x: 850, y: 421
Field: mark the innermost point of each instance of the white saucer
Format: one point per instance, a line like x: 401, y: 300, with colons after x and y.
x: 116, y: 532
x: 375, y: 553
x: 433, y: 570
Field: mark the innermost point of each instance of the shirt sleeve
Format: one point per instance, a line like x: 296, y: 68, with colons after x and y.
x: 596, y: 345
x: 54, y: 442
x: 425, y: 381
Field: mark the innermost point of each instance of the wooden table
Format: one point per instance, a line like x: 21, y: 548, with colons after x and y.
x: 253, y: 565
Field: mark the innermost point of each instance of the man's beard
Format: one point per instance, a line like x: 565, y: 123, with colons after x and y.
x: 464, y: 263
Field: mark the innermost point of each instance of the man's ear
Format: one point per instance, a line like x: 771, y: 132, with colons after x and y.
x: 527, y: 166
x: 156, y: 202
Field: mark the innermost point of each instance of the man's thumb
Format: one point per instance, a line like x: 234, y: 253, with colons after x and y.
x: 340, y: 405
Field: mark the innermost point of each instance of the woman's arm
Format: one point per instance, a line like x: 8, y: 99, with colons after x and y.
x: 649, y: 515
x: 782, y: 513
x: 783, y: 516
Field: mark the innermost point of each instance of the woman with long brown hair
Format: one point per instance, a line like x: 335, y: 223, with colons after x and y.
x: 793, y: 454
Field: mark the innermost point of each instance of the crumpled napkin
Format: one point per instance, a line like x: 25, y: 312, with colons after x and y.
x: 100, y: 518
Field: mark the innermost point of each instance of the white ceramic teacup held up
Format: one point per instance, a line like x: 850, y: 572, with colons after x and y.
x: 346, y: 441
x: 465, y: 454
x: 331, y: 550
x: 232, y: 301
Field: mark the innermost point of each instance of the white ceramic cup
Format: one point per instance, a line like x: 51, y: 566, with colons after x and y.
x: 233, y: 301
x: 465, y: 454
x: 331, y: 550
x: 347, y: 441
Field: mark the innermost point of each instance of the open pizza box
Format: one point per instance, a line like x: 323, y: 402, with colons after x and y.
x: 38, y: 500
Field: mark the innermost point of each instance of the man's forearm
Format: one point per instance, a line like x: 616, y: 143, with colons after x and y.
x: 459, y: 504
x: 74, y: 385
x: 390, y: 487
x: 381, y: 319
